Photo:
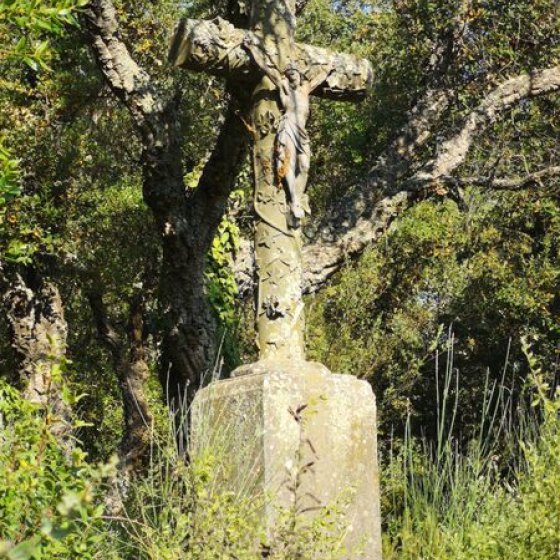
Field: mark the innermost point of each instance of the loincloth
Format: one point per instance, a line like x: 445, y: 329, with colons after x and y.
x: 291, y: 140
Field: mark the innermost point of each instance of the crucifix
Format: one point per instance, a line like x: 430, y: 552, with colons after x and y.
x: 259, y: 399
x: 282, y: 75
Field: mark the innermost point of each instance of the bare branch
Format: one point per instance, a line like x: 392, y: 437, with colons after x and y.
x: 454, y: 151
x: 530, y: 180
x: 359, y: 219
x: 397, y: 159
x: 323, y: 258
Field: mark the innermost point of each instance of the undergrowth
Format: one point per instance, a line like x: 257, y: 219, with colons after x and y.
x: 51, y: 499
x: 495, y: 497
x: 185, y: 509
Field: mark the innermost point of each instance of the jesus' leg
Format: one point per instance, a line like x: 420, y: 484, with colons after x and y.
x: 301, y: 176
x: 287, y: 162
x: 290, y: 179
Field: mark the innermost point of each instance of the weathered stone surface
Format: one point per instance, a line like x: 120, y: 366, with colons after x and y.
x: 253, y: 413
x: 218, y: 47
x: 281, y: 75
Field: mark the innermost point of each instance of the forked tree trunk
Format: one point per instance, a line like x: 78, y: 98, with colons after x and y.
x: 185, y: 220
x: 188, y: 346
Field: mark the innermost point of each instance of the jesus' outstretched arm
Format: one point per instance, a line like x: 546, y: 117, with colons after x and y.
x: 317, y: 80
x: 260, y: 57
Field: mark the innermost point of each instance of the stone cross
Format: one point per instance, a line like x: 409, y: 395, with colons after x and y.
x: 253, y: 411
x: 282, y: 75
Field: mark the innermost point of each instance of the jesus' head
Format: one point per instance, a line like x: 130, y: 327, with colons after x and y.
x: 293, y: 74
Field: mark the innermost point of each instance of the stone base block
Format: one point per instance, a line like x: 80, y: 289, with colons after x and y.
x: 274, y: 419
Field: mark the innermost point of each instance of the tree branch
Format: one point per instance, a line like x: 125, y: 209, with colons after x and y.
x: 363, y: 221
x: 132, y: 372
x: 367, y: 210
x: 218, y: 177
x: 128, y: 81
x: 105, y: 331
x: 504, y: 183
x: 454, y: 151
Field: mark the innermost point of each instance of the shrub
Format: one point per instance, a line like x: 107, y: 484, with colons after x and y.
x: 50, y: 504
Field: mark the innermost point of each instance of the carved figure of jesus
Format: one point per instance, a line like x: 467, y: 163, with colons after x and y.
x: 293, y: 150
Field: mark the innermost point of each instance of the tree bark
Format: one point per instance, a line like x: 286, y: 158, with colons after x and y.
x: 454, y: 151
x: 186, y: 221
x: 132, y: 371
x: 38, y: 333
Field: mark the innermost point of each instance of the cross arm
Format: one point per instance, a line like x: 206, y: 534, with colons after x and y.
x: 219, y: 48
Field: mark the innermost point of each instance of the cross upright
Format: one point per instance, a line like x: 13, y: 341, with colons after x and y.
x: 282, y: 75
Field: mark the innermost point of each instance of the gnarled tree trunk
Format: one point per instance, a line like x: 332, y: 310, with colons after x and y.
x: 38, y: 333
x: 186, y: 220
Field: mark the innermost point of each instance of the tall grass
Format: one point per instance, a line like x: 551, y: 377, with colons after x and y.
x: 180, y: 507
x: 496, y: 496
x: 211, y: 504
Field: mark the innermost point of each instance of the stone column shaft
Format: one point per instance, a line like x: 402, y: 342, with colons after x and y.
x: 279, y: 314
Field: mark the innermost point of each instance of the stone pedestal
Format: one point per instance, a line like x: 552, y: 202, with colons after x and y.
x: 272, y: 419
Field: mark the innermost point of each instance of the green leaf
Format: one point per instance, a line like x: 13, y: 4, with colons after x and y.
x: 26, y: 550
x: 31, y: 63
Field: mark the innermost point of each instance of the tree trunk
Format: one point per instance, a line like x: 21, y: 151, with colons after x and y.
x: 132, y: 371
x: 38, y: 333
x: 188, y: 335
x: 186, y: 220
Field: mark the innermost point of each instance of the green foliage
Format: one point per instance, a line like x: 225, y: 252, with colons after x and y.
x: 221, y: 286
x: 485, y: 501
x: 178, y: 511
x: 492, y: 272
x: 25, y: 26
x: 50, y: 504
x: 10, y: 189
x: 9, y: 176
x: 70, y: 187
x: 298, y: 538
